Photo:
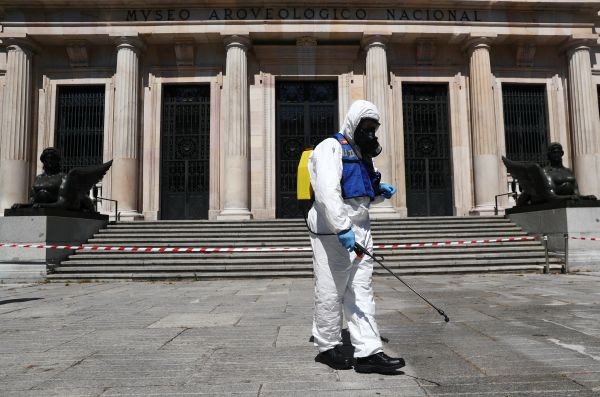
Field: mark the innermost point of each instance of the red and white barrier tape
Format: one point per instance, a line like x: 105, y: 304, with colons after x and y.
x: 584, y: 238
x: 252, y: 249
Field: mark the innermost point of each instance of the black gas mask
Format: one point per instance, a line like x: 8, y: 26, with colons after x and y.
x: 365, y: 139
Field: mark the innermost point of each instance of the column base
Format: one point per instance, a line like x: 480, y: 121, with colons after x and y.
x: 384, y: 212
x: 234, y: 214
x: 129, y: 215
x: 485, y: 210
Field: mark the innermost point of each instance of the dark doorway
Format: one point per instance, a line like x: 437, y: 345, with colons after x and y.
x: 185, y: 139
x: 80, y: 125
x: 427, y: 149
x: 525, y: 122
x: 307, y: 113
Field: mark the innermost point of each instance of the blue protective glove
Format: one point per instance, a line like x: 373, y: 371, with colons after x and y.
x: 387, y: 190
x: 347, y: 239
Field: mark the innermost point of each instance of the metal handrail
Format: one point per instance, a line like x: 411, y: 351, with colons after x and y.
x: 514, y: 194
x: 100, y: 199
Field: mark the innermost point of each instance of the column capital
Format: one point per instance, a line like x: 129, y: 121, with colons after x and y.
x: 480, y: 41
x: 129, y: 41
x: 577, y: 43
x: 373, y: 41
x: 20, y: 43
x: 238, y: 41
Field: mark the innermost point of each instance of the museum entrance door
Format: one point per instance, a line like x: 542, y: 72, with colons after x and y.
x: 427, y: 149
x: 307, y: 113
x: 184, y: 152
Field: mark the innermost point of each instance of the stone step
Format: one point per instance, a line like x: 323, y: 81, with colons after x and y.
x: 165, y: 265
x: 204, y: 261
x: 300, y: 226
x: 421, y: 220
x: 397, y: 238
x: 279, y: 274
x: 512, y: 256
x: 300, y: 232
x: 525, y: 247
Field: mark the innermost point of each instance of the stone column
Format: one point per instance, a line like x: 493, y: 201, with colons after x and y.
x: 585, y: 121
x: 236, y: 188
x: 125, y: 168
x: 483, y: 126
x: 15, y: 136
x: 377, y: 87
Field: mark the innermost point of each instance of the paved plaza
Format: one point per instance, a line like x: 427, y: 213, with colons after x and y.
x: 509, y: 335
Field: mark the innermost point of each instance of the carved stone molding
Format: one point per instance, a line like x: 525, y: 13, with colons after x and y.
x: 525, y: 55
x: 425, y: 52
x: 306, y: 41
x: 184, y: 53
x: 78, y: 54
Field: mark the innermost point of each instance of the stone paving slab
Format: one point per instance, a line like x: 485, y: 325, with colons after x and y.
x: 509, y: 335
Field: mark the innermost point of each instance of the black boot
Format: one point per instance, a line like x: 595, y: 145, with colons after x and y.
x: 379, y: 363
x: 334, y: 358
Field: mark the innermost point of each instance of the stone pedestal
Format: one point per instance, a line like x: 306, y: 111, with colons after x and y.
x: 63, y: 228
x: 572, y: 218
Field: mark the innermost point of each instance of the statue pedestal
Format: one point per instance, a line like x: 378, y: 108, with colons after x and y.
x: 575, y: 218
x: 41, y: 226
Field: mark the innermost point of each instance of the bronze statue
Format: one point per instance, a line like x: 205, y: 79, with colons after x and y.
x: 553, y: 182
x: 55, y: 189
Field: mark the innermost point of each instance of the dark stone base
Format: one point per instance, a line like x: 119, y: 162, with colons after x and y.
x: 54, y: 212
x: 552, y: 205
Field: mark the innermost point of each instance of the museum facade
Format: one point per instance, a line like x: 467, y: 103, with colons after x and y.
x: 206, y: 106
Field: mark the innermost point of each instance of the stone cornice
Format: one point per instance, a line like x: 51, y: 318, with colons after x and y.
x: 501, y: 4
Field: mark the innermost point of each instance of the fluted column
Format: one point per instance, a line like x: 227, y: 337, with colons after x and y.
x: 483, y: 126
x: 125, y: 168
x: 15, y: 136
x: 377, y: 92
x: 236, y: 191
x: 585, y: 121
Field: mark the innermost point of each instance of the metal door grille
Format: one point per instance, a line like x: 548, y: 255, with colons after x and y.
x: 80, y: 125
x: 306, y: 114
x: 525, y: 122
x: 185, y: 131
x: 426, y: 149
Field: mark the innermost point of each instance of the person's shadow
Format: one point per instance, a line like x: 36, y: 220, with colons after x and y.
x: 7, y: 301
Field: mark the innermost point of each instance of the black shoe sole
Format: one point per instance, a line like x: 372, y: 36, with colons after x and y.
x: 377, y: 369
x: 333, y: 365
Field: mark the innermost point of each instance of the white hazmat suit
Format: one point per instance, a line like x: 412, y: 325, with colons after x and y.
x: 341, y: 278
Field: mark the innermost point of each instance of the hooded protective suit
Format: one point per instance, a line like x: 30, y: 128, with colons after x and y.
x: 341, y: 278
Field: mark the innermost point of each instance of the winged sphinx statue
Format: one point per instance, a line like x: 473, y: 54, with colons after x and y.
x: 70, y: 191
x: 538, y: 184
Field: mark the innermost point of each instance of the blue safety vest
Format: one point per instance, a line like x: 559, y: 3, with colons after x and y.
x: 359, y: 178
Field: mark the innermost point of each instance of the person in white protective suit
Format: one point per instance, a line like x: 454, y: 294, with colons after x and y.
x: 345, y: 184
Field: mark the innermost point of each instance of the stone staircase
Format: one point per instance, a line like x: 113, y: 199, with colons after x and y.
x: 516, y: 256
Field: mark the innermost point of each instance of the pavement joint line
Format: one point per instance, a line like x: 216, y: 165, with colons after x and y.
x: 170, y: 340
x: 572, y: 329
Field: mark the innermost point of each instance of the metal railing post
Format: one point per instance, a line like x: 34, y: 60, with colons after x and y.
x: 547, y: 265
x: 565, y: 268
